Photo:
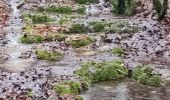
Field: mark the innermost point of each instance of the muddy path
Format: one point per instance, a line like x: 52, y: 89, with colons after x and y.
x: 21, y: 71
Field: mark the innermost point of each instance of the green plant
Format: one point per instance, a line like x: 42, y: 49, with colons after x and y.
x: 118, y: 50
x: 86, y: 1
x: 81, y: 10
x: 68, y: 87
x: 122, y: 7
x: 55, y: 36
x: 81, y: 42
x: 144, y: 75
x: 98, y: 27
x: 49, y: 55
x: 62, y: 89
x: 59, y: 9
x: 77, y: 28
x: 95, y: 72
x: 30, y: 94
x: 161, y: 8
x: 29, y: 39
x: 36, y: 19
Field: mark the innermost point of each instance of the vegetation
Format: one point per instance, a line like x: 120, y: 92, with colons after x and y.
x: 121, y: 27
x: 37, y: 19
x: 49, y: 55
x: 86, y: 1
x: 29, y: 39
x: 144, y: 75
x: 98, y: 27
x: 30, y: 93
x: 55, y: 36
x: 81, y: 10
x: 68, y: 87
x: 55, y: 9
x: 81, y: 42
x: 123, y: 7
x: 118, y: 50
x: 77, y: 28
x: 102, y: 71
x: 161, y: 8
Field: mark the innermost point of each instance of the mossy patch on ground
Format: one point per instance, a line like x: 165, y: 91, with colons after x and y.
x: 49, y: 55
x: 76, y: 29
x: 36, y: 18
x: 117, y: 50
x: 29, y: 39
x: 102, y: 71
x: 145, y: 75
x: 68, y: 87
x: 78, y: 41
x: 57, y: 9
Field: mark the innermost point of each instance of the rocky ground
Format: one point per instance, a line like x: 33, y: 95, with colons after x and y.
x: 21, y: 72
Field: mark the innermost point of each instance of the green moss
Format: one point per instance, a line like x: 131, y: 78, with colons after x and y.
x: 81, y: 10
x: 86, y: 1
x: 68, y: 87
x: 56, y: 36
x: 81, y: 42
x: 30, y: 94
x: 60, y: 37
x: 144, y: 75
x: 29, y: 39
x: 118, y: 50
x: 98, y: 27
x: 55, y: 9
x: 37, y: 19
x: 62, y: 89
x: 49, y: 55
x: 95, y: 72
x: 121, y: 27
x: 77, y: 28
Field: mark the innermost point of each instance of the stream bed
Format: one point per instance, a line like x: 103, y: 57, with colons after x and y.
x: 17, y: 75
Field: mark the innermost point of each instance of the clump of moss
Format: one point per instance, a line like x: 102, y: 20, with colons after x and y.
x: 118, y: 50
x: 55, y: 36
x: 81, y: 10
x: 121, y: 27
x: 79, y: 41
x: 68, y: 87
x: 145, y: 75
x: 77, y: 28
x: 37, y: 19
x: 86, y: 1
x: 95, y: 72
x: 55, y: 9
x: 98, y: 27
x: 49, y: 55
x: 29, y: 39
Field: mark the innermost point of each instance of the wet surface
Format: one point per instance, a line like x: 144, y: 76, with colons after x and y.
x: 21, y: 71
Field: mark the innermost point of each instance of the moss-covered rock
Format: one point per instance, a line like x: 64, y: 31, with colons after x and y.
x: 78, y: 41
x: 95, y: 72
x: 49, y: 55
x: 145, y: 75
